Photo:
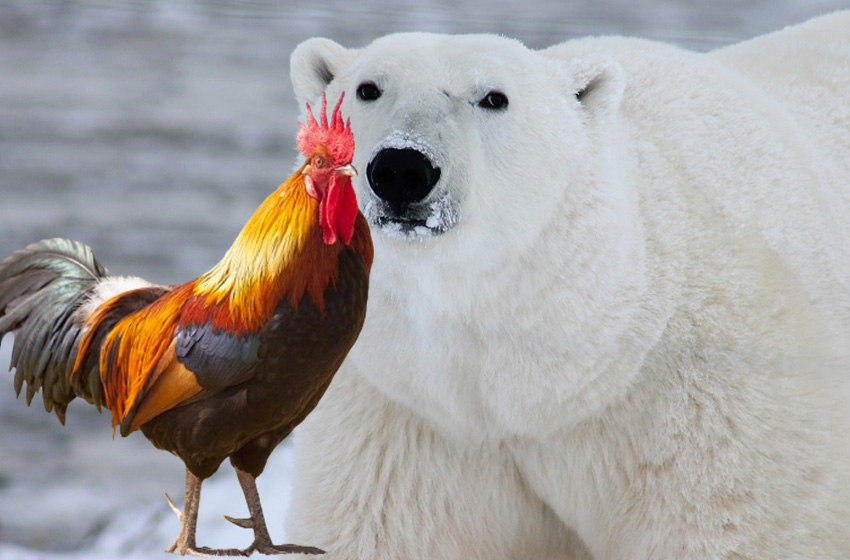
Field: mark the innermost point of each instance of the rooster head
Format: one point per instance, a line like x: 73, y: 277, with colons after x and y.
x: 328, y: 170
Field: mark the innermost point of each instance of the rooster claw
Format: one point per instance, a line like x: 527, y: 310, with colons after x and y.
x: 246, y: 523
x: 173, y: 507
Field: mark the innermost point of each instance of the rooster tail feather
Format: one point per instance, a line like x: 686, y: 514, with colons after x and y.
x: 41, y: 288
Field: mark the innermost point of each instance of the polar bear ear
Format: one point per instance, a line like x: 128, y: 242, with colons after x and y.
x: 597, y: 84
x: 314, y: 64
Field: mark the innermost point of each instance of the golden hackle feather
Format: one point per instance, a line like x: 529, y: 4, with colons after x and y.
x: 265, y: 262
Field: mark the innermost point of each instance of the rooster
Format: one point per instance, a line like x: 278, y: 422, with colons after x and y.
x: 224, y: 366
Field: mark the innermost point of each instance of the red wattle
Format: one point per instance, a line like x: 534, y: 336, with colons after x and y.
x: 346, y: 210
x: 338, y: 211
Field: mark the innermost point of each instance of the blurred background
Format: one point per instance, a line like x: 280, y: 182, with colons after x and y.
x: 150, y: 130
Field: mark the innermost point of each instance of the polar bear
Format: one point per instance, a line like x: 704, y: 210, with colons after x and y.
x: 609, y: 315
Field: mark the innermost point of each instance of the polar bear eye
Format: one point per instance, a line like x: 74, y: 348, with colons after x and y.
x: 494, y: 100
x: 368, y: 91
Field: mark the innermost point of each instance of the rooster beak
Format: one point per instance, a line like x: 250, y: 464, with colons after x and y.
x: 346, y: 170
x: 307, y: 170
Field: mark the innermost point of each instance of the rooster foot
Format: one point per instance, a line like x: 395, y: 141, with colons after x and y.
x: 185, y: 549
x: 262, y: 541
x: 264, y: 546
x: 185, y: 545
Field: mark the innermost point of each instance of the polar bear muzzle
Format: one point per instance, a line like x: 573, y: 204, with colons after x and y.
x: 402, y: 175
x: 403, y: 180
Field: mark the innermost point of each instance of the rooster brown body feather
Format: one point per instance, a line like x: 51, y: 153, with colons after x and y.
x: 291, y: 362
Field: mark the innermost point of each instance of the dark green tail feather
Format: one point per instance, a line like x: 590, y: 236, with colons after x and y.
x: 41, y: 286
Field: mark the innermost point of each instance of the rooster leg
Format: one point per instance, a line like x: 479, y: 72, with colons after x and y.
x: 262, y: 541
x: 185, y: 542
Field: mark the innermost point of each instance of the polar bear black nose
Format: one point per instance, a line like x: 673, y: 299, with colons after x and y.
x: 405, y: 175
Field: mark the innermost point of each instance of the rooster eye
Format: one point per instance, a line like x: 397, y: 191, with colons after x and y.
x: 494, y: 101
x: 319, y: 162
x: 368, y: 91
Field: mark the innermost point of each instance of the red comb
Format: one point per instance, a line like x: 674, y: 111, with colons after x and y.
x: 335, y: 137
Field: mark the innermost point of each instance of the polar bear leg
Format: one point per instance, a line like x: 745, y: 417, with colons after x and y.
x: 374, y: 482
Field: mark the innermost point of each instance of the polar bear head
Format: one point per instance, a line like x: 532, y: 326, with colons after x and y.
x: 442, y: 123
x: 482, y: 163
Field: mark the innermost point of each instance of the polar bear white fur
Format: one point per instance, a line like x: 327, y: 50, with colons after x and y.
x: 619, y: 328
